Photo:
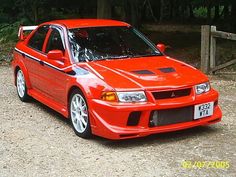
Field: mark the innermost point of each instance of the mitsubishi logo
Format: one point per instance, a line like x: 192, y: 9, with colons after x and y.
x: 172, y: 95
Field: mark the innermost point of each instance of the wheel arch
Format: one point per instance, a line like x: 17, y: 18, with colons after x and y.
x: 85, y: 91
x: 17, y: 68
x: 70, y: 90
x: 20, y: 65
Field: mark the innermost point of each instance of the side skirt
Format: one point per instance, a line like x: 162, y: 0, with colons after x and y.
x: 48, y: 102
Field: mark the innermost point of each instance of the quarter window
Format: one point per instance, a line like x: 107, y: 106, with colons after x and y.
x: 37, y: 40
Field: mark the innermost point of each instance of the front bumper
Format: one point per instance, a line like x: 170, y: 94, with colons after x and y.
x: 109, y: 120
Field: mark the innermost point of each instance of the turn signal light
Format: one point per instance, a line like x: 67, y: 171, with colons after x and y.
x: 109, y: 96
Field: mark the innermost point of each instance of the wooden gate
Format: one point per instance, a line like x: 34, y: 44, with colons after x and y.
x: 208, y: 48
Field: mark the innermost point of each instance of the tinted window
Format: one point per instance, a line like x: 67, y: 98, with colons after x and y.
x: 37, y: 40
x: 55, y: 41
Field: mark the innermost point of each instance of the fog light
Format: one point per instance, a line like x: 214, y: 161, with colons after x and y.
x: 154, y: 119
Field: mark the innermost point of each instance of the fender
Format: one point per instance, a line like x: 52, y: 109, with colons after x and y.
x: 74, y: 84
x: 70, y: 86
x: 22, y: 66
x: 78, y: 75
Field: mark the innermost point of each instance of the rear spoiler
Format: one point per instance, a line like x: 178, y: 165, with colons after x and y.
x: 22, y: 29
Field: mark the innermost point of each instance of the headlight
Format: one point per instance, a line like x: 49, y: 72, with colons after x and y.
x: 202, y: 88
x: 128, y: 97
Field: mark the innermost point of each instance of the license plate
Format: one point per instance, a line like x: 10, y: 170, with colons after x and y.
x: 203, y: 110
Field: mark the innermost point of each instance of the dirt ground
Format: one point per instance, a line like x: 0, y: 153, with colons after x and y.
x: 36, y: 141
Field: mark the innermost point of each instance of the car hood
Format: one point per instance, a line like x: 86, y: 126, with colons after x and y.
x: 159, y: 72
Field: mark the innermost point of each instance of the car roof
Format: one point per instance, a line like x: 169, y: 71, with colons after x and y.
x: 83, y: 23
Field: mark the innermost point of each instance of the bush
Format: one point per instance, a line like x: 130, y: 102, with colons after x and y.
x: 8, y: 32
x: 8, y: 38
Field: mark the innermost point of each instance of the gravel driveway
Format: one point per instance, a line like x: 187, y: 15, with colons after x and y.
x: 36, y: 141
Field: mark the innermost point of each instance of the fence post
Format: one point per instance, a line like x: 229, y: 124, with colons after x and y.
x: 205, y: 48
x: 213, y: 49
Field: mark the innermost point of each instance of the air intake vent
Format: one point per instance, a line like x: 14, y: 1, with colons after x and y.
x: 133, y: 118
x: 142, y: 72
x: 167, y: 70
x: 171, y: 94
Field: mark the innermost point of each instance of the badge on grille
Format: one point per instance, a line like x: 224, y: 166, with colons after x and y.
x: 173, y: 95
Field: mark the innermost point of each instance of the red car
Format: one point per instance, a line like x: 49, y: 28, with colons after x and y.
x: 110, y: 80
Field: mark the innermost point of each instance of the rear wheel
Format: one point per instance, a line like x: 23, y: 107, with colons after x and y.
x: 21, y: 86
x: 79, y: 115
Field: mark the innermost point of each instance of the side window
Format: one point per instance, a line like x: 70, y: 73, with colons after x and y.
x: 37, y: 40
x: 55, y: 41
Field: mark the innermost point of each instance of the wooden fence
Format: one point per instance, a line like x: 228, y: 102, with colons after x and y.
x: 208, y: 48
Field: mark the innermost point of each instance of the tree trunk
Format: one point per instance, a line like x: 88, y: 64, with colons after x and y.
x: 134, y: 13
x: 35, y: 11
x: 24, y: 10
x: 156, y: 8
x: 191, y: 15
x: 209, y: 13
x: 226, y: 11
x: 171, y: 9
x: 233, y: 15
x: 177, y: 9
x: 217, y: 12
x: 162, y: 6
x: 104, y: 9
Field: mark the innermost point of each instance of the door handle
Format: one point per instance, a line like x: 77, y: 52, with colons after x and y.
x: 41, y: 62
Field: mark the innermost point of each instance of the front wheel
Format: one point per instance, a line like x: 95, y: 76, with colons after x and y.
x: 21, y: 86
x: 79, y: 115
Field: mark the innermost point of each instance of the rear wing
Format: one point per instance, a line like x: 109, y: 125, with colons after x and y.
x: 23, y: 29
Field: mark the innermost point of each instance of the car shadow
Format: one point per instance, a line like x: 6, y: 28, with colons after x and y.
x: 161, y: 138
x: 50, y: 111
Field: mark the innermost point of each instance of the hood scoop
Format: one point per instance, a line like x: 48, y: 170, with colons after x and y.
x: 167, y: 70
x: 142, y: 72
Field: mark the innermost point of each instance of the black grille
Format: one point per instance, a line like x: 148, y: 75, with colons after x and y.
x: 171, y: 116
x: 172, y: 94
x: 133, y: 118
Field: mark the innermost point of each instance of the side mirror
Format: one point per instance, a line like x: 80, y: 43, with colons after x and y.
x: 55, y: 55
x: 161, y: 47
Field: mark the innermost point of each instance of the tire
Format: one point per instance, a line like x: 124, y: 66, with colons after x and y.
x: 79, y: 115
x: 21, y: 86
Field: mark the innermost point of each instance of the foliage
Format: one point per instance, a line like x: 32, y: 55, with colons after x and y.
x: 32, y: 12
x: 8, y: 32
x: 201, y: 12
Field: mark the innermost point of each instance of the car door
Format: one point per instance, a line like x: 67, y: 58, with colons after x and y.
x: 54, y: 78
x: 34, y: 56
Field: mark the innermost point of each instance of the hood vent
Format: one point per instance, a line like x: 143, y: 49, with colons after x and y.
x: 167, y: 70
x: 142, y: 72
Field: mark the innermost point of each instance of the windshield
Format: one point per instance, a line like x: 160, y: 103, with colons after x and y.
x: 103, y: 43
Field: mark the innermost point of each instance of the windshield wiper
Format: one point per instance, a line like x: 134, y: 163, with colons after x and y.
x: 113, y: 57
x: 148, y: 55
x: 126, y: 56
